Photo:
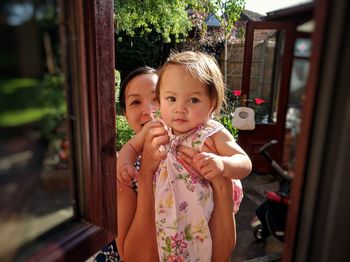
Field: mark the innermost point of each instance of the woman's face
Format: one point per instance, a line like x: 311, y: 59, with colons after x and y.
x: 140, y: 100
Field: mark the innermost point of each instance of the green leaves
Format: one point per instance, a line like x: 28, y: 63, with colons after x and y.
x: 124, y: 132
x: 170, y: 17
x: 188, y: 232
x: 226, y: 121
x: 226, y: 11
x: 167, y: 17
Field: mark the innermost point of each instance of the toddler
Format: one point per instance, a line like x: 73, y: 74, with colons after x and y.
x: 191, y: 91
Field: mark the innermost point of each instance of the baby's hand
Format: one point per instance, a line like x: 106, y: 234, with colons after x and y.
x: 127, y: 173
x: 209, y: 165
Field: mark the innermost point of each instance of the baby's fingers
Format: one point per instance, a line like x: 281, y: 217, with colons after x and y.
x: 200, y: 161
x: 201, y: 156
x: 124, y: 178
x: 209, y: 173
x: 131, y: 172
x: 126, y: 175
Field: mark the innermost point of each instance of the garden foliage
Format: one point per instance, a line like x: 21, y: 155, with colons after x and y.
x: 167, y: 17
x: 147, y: 30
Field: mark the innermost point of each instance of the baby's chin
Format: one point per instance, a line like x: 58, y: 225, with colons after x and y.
x: 180, y: 132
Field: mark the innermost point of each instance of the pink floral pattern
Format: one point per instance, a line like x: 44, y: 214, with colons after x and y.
x: 237, y: 190
x: 184, y: 202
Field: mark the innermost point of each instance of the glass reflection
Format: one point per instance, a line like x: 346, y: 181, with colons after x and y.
x: 268, y: 48
x: 34, y: 154
x: 298, y: 81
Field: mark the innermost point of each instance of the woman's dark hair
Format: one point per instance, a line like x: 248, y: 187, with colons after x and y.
x: 139, y: 71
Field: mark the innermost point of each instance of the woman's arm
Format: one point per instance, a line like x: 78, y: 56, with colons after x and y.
x: 222, y: 222
x: 126, y: 205
x: 136, y: 223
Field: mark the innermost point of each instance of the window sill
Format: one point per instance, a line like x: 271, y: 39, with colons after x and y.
x: 76, y: 241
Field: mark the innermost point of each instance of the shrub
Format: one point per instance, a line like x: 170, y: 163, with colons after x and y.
x: 225, y: 117
x: 52, y: 97
x: 226, y: 121
x: 124, y: 132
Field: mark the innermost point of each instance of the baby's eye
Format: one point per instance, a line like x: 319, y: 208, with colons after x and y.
x: 194, y: 100
x: 171, y: 99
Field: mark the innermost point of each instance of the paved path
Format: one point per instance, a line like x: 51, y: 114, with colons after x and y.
x: 32, y: 199
x: 249, y: 249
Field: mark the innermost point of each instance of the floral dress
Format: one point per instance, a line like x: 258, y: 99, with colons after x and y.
x: 184, y: 201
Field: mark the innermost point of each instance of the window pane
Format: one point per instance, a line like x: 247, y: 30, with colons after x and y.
x: 299, y: 76
x: 34, y: 148
x: 268, y: 48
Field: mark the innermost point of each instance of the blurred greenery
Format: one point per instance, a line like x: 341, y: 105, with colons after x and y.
x: 124, y: 132
x: 117, y: 90
x: 226, y: 121
x: 32, y: 101
x: 225, y: 117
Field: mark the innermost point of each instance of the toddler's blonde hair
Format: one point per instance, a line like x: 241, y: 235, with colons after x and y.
x: 204, y: 68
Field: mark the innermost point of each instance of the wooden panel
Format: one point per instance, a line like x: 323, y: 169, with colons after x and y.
x: 302, y: 150
x: 269, y: 131
x: 100, y: 186
x: 89, y: 65
x: 252, y: 145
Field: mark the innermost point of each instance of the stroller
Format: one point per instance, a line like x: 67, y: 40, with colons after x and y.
x: 271, y: 215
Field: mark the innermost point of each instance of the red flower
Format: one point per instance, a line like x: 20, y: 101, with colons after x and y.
x: 236, y: 92
x: 259, y: 101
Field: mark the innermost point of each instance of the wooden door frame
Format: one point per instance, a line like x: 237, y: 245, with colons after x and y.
x: 316, y: 229
x: 101, y: 114
x: 89, y: 65
x: 290, y: 27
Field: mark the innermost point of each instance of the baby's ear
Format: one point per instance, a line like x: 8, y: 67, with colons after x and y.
x: 213, y: 108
